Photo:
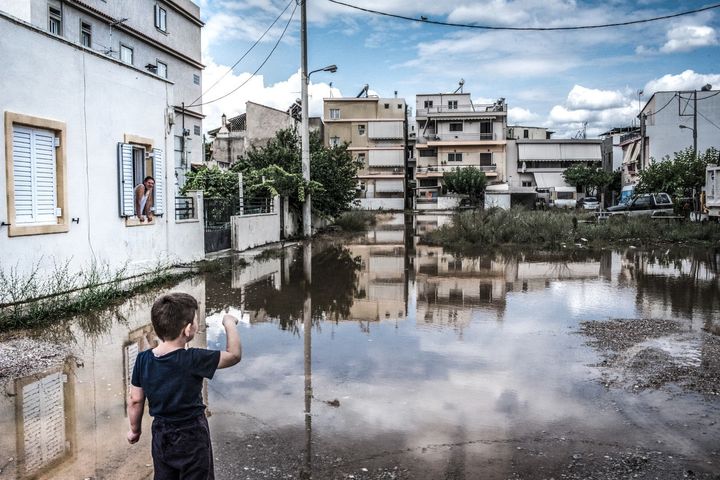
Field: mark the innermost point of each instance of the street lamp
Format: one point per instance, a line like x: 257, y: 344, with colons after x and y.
x: 694, y: 132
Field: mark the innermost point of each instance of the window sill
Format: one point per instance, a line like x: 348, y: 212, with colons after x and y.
x: 164, y: 32
x: 19, y: 231
x: 135, y: 222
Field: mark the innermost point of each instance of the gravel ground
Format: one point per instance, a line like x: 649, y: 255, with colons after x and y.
x: 649, y: 354
x: 20, y: 357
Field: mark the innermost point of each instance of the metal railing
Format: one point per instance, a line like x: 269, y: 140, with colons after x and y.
x: 450, y: 168
x: 257, y: 206
x: 185, y: 208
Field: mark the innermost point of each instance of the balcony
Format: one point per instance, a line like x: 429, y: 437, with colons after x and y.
x: 477, y: 108
x: 431, y: 138
x: 629, y: 136
x: 439, y: 170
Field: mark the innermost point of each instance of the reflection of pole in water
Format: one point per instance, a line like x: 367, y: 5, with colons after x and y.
x: 306, y: 472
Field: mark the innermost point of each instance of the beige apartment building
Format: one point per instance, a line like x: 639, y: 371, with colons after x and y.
x: 452, y: 132
x: 375, y: 130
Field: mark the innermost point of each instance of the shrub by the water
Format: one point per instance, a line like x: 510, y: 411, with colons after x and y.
x: 356, y: 220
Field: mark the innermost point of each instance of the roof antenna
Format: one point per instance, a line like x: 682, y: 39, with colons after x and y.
x: 331, y: 94
x: 460, y: 87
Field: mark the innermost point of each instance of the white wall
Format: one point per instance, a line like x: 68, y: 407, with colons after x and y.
x: 384, y: 203
x: 500, y: 200
x: 100, y: 101
x: 248, y: 231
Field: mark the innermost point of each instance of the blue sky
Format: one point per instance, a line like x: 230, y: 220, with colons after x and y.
x: 556, y: 79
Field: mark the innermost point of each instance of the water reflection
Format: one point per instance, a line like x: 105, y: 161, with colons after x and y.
x: 378, y: 351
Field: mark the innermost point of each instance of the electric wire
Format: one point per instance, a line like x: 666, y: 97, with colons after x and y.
x: 661, y: 108
x: 292, y: 15
x: 530, y: 29
x: 246, y: 52
x: 709, y: 121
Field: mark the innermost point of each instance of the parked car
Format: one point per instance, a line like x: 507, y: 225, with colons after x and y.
x: 648, y: 204
x: 589, y: 203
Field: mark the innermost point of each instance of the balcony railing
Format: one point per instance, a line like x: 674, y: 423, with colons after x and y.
x: 450, y: 168
x: 185, y: 208
x: 461, y: 108
x: 257, y: 206
x: 455, y: 136
x: 629, y: 136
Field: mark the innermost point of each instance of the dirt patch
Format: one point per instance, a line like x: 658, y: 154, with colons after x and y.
x: 21, y: 357
x: 649, y: 353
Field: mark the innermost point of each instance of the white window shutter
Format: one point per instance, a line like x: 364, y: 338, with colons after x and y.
x: 157, y: 16
x: 126, y: 189
x: 35, y: 175
x: 45, y: 181
x: 159, y: 175
x: 23, y: 174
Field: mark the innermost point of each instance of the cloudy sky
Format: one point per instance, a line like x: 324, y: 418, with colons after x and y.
x: 556, y: 79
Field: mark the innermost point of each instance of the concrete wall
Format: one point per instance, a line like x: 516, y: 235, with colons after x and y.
x: 382, y: 203
x: 100, y: 101
x: 248, y: 231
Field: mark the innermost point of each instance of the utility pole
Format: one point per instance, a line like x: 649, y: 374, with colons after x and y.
x: 695, y: 123
x: 304, y: 127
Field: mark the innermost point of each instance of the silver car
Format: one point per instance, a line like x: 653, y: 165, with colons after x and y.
x: 590, y: 203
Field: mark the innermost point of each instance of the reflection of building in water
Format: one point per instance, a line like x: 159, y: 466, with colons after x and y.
x: 381, y: 292
x: 45, y: 420
x: 71, y: 423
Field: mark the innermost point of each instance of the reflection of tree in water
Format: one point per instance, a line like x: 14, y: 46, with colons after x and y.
x: 334, y: 280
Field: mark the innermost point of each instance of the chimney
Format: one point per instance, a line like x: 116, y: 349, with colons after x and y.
x: 224, y: 120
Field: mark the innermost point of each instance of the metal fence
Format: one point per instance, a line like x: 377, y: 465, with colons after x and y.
x: 185, y: 208
x: 256, y: 206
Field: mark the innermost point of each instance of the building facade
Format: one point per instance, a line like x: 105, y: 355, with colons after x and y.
x: 452, y: 132
x: 375, y: 130
x: 80, y: 136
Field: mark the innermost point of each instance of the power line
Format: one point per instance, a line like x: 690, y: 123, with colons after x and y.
x: 661, y: 108
x: 246, y: 52
x: 532, y: 29
x: 256, y: 71
x: 708, y: 120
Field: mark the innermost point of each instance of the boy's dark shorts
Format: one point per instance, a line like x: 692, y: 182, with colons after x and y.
x: 182, y: 449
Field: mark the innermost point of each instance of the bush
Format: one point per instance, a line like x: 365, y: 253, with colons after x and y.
x: 356, y: 220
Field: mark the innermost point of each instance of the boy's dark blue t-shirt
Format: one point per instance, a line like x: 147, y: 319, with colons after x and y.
x: 173, y: 382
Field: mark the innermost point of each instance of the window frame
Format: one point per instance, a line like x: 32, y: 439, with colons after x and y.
x: 452, y: 105
x: 455, y: 125
x: 85, y: 32
x: 60, y: 130
x: 132, y: 54
x: 428, y: 104
x: 334, y: 141
x: 153, y: 165
x: 157, y: 69
x: 361, y: 129
x: 196, y: 77
x: 334, y: 114
x: 55, y: 18
x: 160, y: 18
x: 455, y: 157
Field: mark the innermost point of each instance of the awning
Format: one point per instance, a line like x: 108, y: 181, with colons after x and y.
x: 547, y: 180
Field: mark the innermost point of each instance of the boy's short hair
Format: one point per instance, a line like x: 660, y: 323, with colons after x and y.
x: 171, y: 313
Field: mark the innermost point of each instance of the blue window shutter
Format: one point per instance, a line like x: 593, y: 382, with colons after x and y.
x: 126, y: 189
x: 159, y: 175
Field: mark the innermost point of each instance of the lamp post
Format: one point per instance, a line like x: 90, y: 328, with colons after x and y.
x: 640, y: 94
x: 694, y: 132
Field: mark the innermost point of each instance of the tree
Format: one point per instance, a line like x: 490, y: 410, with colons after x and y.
x: 591, y: 179
x: 468, y: 181
x: 677, y: 177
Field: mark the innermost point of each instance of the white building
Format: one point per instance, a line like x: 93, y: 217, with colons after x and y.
x: 453, y: 132
x: 85, y: 120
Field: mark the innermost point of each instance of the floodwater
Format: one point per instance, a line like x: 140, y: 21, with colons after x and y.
x: 378, y: 357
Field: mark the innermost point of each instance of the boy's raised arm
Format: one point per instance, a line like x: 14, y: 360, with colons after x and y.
x: 136, y: 406
x: 233, y: 350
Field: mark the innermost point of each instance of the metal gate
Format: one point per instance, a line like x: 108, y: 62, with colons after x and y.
x: 218, y: 212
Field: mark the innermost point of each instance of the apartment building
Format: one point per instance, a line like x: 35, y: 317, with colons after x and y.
x: 375, y: 130
x: 453, y: 132
x: 97, y: 95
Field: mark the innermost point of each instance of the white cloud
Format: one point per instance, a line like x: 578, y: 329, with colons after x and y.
x: 279, y: 95
x: 593, y: 99
x: 687, y: 80
x: 519, y: 115
x: 688, y: 37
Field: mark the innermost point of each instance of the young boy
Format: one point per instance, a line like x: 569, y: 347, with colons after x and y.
x: 171, y: 376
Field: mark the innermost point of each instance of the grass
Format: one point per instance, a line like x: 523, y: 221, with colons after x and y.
x: 557, y: 229
x: 34, y: 299
x: 355, y: 221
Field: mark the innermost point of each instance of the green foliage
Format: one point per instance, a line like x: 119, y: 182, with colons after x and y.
x: 356, y: 220
x: 678, y: 176
x: 215, y: 183
x: 591, y: 179
x: 468, y: 181
x: 554, y: 229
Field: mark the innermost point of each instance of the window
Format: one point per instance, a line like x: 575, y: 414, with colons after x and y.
x: 387, y: 105
x: 427, y: 152
x: 565, y: 195
x: 452, y: 105
x: 334, y: 114
x: 527, y: 183
x: 361, y: 157
x: 138, y: 159
x: 399, y: 105
x: 486, y: 131
x: 86, y: 34
x: 161, y: 69
x: 55, y: 21
x: 361, y: 129
x: 196, y: 79
x: 526, y: 133
x: 36, y: 175
x: 160, y: 18
x: 485, y: 159
x: 456, y: 126
x: 196, y: 130
x: 126, y: 54
x: 334, y: 141
x: 428, y: 103
x: 455, y: 157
